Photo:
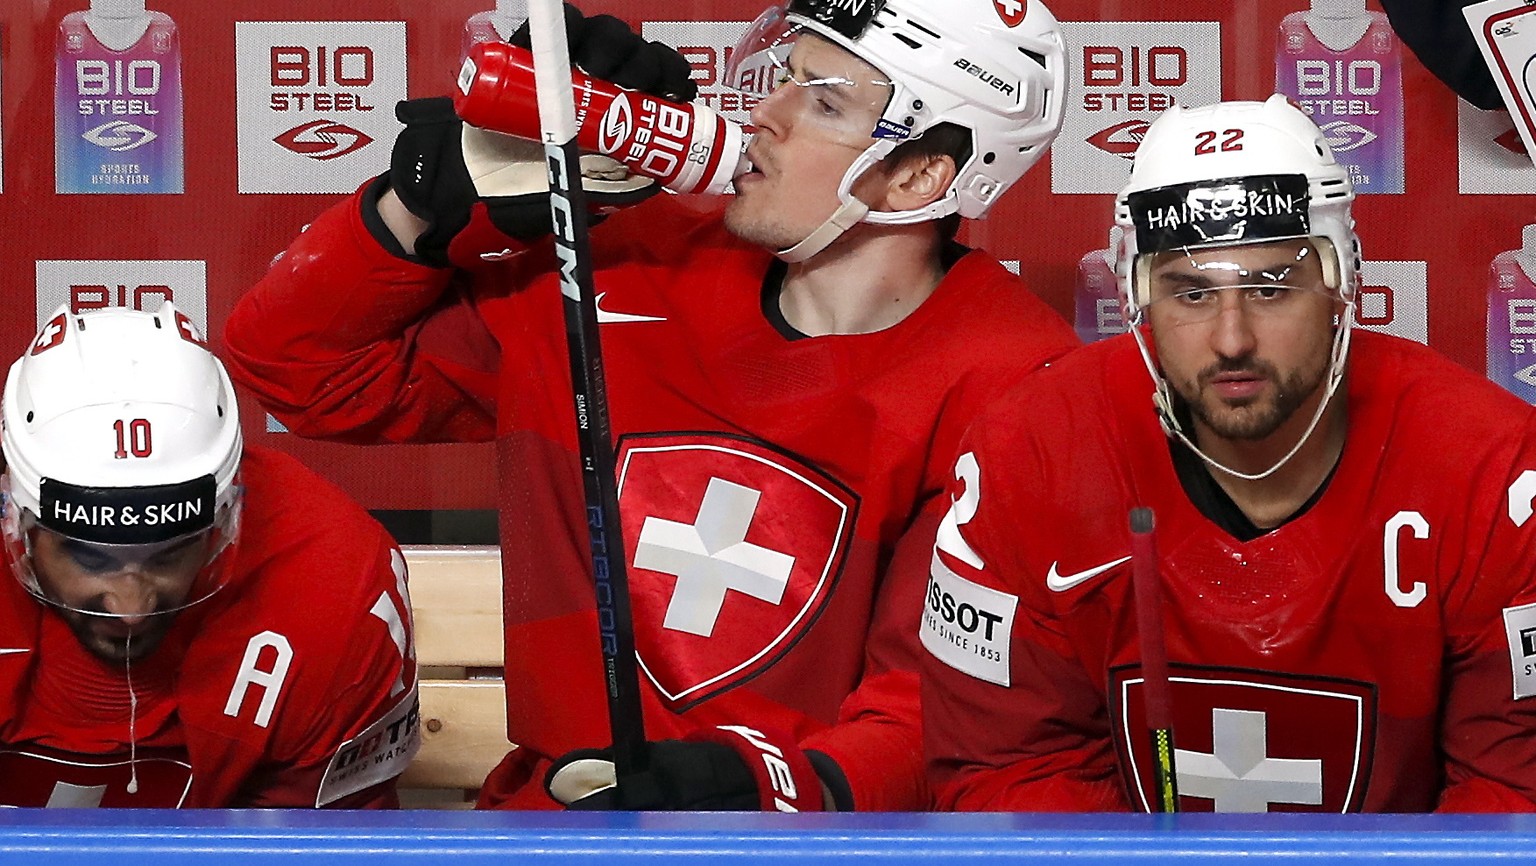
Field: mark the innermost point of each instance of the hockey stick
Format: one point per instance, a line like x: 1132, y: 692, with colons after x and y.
x: 557, y: 122
x: 1154, y: 657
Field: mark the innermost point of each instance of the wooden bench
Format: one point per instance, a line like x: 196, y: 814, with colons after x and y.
x: 456, y: 605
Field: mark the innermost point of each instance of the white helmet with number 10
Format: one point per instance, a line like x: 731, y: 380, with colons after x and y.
x: 120, y: 429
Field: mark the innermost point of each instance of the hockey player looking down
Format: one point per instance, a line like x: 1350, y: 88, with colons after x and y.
x: 1346, y: 561
x: 188, y: 622
x: 778, y: 419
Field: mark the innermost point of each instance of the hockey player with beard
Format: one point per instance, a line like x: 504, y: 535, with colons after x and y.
x: 186, y: 622
x: 1345, y: 526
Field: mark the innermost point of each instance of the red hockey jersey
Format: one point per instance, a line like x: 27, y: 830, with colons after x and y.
x: 765, y: 482
x: 1375, y: 653
x: 294, y: 686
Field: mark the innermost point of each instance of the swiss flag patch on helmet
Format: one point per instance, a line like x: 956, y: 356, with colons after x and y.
x: 734, y: 547
x: 1252, y: 741
x: 1011, y: 11
x: 51, y: 335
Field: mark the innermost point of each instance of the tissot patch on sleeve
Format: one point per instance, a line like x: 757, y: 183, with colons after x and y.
x: 380, y: 752
x: 966, y: 625
x: 1520, y: 629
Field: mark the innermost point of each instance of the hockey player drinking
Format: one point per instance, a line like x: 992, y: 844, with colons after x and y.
x: 788, y: 370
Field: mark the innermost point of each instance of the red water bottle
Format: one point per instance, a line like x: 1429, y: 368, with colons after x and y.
x: 686, y: 146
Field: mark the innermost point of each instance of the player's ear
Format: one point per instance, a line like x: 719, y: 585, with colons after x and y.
x: 920, y: 182
x: 913, y: 183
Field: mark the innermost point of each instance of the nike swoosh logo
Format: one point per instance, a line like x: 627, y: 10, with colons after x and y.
x: 11, y: 651
x: 605, y: 317
x: 1063, y: 582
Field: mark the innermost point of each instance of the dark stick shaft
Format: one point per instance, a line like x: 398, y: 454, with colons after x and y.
x: 593, y: 432
x: 1147, y: 576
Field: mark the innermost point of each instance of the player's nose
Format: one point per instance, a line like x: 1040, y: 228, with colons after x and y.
x: 772, y: 111
x: 130, y: 599
x: 1232, y: 330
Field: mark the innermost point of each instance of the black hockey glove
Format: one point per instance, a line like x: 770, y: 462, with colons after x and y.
x: 726, y: 769
x: 478, y: 190
x: 605, y: 47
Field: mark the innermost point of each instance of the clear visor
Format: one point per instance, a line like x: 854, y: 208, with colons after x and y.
x: 118, y: 580
x: 1272, y: 281
x: 814, y: 83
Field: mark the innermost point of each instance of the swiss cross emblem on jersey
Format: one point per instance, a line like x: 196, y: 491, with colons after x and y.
x: 735, y: 548
x: 1011, y: 11
x: 1251, y: 741
x: 36, y: 777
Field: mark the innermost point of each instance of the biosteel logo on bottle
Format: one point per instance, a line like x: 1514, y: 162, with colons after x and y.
x: 1512, y: 318
x: 686, y: 146
x: 118, y: 104
x: 1097, y: 295
x: 1341, y: 63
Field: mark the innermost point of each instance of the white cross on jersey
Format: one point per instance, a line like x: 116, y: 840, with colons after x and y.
x: 67, y: 796
x: 1238, y: 772
x: 712, y: 557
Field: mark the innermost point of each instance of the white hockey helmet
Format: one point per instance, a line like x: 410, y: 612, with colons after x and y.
x: 1234, y: 173
x: 996, y: 68
x: 120, y: 430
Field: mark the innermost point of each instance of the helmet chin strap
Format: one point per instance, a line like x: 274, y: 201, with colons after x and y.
x: 1162, y: 399
x: 850, y: 214
x: 852, y: 211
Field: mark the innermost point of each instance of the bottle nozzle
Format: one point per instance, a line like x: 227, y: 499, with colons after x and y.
x: 744, y: 164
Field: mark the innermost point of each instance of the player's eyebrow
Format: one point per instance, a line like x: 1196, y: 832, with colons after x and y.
x: 183, y: 544
x: 74, y: 546
x: 809, y: 77
x: 1281, y: 270
x: 1185, y: 279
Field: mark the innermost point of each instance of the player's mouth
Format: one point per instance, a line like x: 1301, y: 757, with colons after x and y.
x: 754, y: 171
x: 748, y: 179
x: 118, y: 630
x: 1238, y: 387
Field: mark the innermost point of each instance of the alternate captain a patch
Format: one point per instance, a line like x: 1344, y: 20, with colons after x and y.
x: 735, y: 549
